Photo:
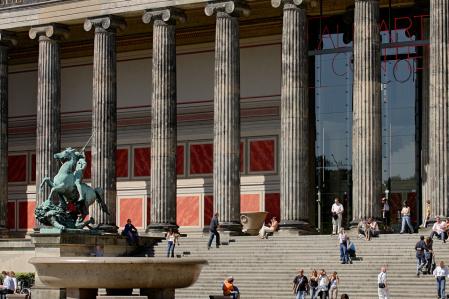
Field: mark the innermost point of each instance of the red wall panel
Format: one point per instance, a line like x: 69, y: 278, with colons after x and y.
x: 201, y: 158
x: 180, y: 160
x: 142, y: 161
x: 208, y: 208
x: 33, y: 167
x: 121, y: 169
x: 411, y: 201
x: 395, y: 206
x: 131, y: 208
x: 88, y: 169
x: 26, y: 214
x: 249, y: 203
x: 262, y: 155
x: 148, y: 211
x: 273, y: 205
x: 187, y: 210
x: 17, y: 168
x: 11, y: 221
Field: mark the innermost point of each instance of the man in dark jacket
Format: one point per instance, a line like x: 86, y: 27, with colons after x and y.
x: 214, y: 232
x: 420, y: 247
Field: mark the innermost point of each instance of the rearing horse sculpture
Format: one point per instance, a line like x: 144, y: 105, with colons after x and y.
x: 63, y: 184
x: 64, y: 180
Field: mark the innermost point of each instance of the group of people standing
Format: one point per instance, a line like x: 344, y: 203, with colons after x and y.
x: 317, y: 285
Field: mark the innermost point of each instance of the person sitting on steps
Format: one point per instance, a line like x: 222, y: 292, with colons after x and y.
x: 229, y: 289
x: 439, y: 229
x: 274, y: 225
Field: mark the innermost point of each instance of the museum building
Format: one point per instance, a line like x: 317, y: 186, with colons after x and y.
x: 227, y: 106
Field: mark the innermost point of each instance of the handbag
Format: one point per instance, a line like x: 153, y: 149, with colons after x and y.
x: 381, y: 285
x: 335, y: 216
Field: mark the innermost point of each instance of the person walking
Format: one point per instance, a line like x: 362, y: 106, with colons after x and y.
x: 385, y: 214
x: 172, y: 240
x: 300, y: 285
x: 428, y: 255
x: 313, y: 284
x: 337, y: 215
x: 382, y: 286
x: 213, y: 232
x: 440, y: 273
x: 420, y: 248
x: 333, y: 290
x: 405, y: 213
x: 323, y: 285
x: 342, y: 238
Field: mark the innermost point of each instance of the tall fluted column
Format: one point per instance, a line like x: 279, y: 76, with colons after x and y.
x: 104, y: 113
x: 227, y: 111
x: 366, y: 127
x: 163, y: 118
x: 48, y: 120
x: 6, y: 40
x: 424, y: 125
x: 438, y: 107
x: 294, y: 169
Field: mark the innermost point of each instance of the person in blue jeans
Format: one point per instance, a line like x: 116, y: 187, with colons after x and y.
x: 172, y: 240
x: 213, y: 232
x: 405, y: 213
x: 440, y: 273
x: 343, y: 246
x: 420, y: 248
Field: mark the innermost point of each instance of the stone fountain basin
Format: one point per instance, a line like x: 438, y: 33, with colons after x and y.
x: 117, y: 272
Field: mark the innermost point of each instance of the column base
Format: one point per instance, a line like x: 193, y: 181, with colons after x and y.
x: 4, y: 232
x: 231, y: 228
x: 158, y: 293
x: 81, y: 293
x: 159, y: 229
x: 297, y: 227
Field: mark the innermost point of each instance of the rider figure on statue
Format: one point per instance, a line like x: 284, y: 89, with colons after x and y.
x: 79, y: 172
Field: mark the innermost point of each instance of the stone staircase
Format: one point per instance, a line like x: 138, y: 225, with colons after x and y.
x: 265, y: 268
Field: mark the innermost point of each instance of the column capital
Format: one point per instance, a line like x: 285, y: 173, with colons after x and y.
x: 105, y: 23
x: 51, y: 31
x: 288, y: 3
x: 169, y: 15
x: 235, y: 8
x: 7, y: 38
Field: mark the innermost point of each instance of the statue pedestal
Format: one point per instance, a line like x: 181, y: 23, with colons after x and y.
x: 78, y: 244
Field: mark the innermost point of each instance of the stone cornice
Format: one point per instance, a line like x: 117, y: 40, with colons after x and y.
x: 51, y: 31
x: 235, y: 8
x: 8, y: 38
x: 170, y: 14
x: 107, y: 23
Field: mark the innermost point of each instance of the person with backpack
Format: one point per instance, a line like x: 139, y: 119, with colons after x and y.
x: 420, y: 248
x: 300, y: 285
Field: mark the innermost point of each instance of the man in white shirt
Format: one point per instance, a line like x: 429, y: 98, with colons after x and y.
x: 337, y: 212
x: 382, y: 287
x: 439, y: 229
x: 8, y: 284
x: 440, y: 273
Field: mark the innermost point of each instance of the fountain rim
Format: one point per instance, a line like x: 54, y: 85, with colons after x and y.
x: 116, y: 260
